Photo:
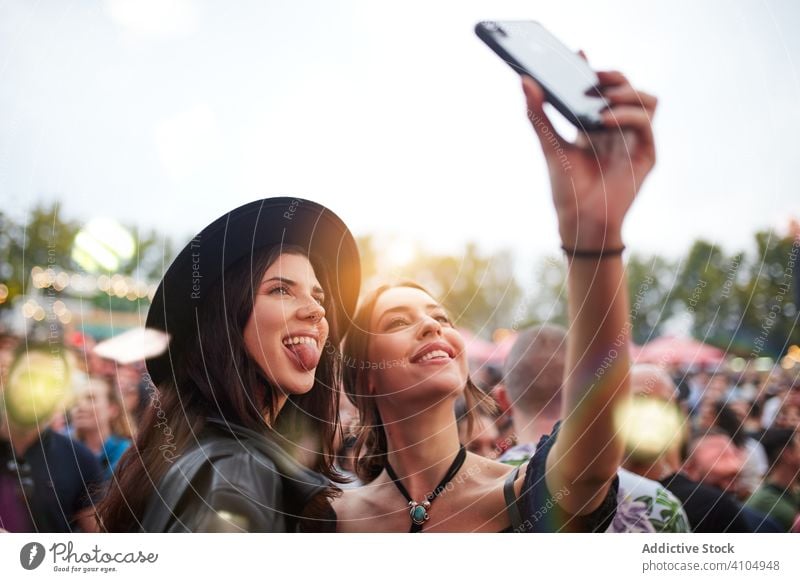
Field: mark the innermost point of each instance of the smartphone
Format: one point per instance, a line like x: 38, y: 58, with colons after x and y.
x: 567, y: 80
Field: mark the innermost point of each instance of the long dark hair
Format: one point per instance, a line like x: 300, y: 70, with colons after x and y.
x: 215, y: 376
x: 371, y: 445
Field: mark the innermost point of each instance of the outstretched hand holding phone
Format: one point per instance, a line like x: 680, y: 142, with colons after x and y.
x: 596, y: 178
x: 594, y: 181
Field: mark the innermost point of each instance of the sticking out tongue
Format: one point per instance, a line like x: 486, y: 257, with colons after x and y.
x: 306, y: 356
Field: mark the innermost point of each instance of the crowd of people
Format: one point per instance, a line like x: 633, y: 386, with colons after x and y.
x: 728, y: 459
x: 57, y: 463
x: 288, y: 400
x: 733, y: 465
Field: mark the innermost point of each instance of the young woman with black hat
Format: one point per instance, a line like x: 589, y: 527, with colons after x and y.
x: 407, y: 365
x: 246, y: 397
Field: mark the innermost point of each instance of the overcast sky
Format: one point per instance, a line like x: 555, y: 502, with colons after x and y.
x: 166, y: 114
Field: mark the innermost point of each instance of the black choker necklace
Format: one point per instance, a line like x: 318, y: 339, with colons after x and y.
x: 419, y: 511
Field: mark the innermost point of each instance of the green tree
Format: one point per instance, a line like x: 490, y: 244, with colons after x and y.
x: 702, y: 290
x: 764, y: 298
x: 152, y: 255
x: 739, y: 303
x: 651, y: 290
x: 480, y: 290
x: 44, y: 240
x: 546, y: 296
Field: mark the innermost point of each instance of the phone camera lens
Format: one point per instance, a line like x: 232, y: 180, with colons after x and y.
x: 494, y: 27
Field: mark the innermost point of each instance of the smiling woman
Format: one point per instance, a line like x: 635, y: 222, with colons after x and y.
x: 395, y: 311
x: 418, y: 476
x: 410, y: 408
x: 245, y: 390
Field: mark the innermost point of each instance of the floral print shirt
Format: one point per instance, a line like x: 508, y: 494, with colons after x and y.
x: 643, y: 505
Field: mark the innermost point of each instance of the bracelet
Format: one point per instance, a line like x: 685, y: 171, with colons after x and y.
x: 595, y: 254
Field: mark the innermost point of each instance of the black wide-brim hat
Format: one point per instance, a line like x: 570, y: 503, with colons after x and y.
x: 238, y: 234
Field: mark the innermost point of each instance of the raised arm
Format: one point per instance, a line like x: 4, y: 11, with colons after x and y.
x: 594, y: 183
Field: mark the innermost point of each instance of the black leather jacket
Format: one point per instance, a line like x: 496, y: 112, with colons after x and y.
x: 233, y: 479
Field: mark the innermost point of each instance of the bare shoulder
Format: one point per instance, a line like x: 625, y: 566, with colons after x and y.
x: 491, y: 474
x: 350, y: 503
x: 487, y: 471
x: 361, y: 509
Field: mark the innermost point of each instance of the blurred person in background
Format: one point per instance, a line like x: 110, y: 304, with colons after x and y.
x: 746, y: 387
x: 776, y: 392
x: 779, y: 495
x: 481, y: 436
x: 750, y: 412
x: 708, y: 509
x: 493, y: 375
x: 8, y: 345
x: 89, y: 361
x: 534, y: 376
x: 696, y: 386
x: 99, y: 420
x: 680, y: 378
x: 715, y: 462
x: 717, y: 393
x: 132, y: 386
x: 489, y: 378
x: 788, y: 414
x: 486, y: 377
x: 705, y: 412
x: 48, y: 482
x: 719, y: 386
x: 754, y: 460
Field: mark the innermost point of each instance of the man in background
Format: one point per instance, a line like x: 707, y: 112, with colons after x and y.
x: 534, y: 375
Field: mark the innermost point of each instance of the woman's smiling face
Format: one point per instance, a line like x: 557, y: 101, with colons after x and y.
x: 414, y: 347
x: 287, y: 330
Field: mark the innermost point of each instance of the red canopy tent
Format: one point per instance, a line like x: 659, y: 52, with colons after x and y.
x: 478, y: 350
x: 677, y: 351
x: 483, y: 352
x: 502, y: 348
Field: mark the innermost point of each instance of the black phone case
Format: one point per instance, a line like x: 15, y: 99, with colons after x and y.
x: 581, y: 122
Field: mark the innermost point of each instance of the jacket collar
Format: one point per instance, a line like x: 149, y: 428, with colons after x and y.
x: 300, y: 483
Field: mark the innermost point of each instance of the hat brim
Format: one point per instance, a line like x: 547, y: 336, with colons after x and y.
x: 238, y: 234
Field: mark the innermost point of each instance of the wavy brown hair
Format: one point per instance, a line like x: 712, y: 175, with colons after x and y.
x: 371, y: 445
x: 215, y: 376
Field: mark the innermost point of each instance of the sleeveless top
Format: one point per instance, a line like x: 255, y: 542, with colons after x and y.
x: 536, y: 510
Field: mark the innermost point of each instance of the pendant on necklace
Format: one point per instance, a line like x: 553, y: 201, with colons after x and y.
x: 419, y: 511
